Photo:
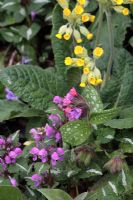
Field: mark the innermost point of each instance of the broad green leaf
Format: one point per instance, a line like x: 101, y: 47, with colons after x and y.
x: 15, y: 109
x: 10, y: 193
x: 33, y: 84
x: 120, y: 123
x: 61, y: 48
x: 93, y: 99
x: 55, y: 194
x: 75, y: 132
x: 102, y: 117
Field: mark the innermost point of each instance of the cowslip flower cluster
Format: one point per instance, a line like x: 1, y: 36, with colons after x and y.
x: 73, y: 105
x: 75, y: 21
x: 91, y: 74
x: 10, y: 96
x: 8, y: 157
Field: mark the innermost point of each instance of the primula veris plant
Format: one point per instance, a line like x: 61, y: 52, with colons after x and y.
x: 75, y: 120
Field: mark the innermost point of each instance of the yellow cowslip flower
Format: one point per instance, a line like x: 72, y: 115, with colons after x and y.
x: 85, y: 17
x: 68, y: 61
x: 86, y: 70
x: 92, y: 18
x: 99, y: 81
x: 80, y: 62
x: 78, y: 9
x: 59, y: 36
x: 125, y: 11
x: 118, y: 2
x: 81, y: 2
x: 98, y: 52
x: 92, y: 80
x: 82, y: 84
x: 66, y: 12
x: 77, y: 36
x: 67, y: 36
x: 78, y: 50
x: 89, y: 36
x: 79, y: 40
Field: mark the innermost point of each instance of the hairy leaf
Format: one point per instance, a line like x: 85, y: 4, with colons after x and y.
x: 33, y: 84
x: 9, y: 192
x: 120, y: 123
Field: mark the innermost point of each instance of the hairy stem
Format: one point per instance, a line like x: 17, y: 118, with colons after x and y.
x: 111, y: 45
x: 100, y: 21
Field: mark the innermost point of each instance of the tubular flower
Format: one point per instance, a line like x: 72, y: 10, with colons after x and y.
x: 75, y: 18
x: 91, y: 74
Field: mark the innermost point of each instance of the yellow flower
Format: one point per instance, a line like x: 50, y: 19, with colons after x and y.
x: 66, y: 12
x: 68, y: 61
x: 99, y: 81
x: 59, y: 36
x: 89, y: 36
x: 82, y: 2
x: 92, y: 18
x: 78, y: 10
x: 92, y: 80
x: 67, y: 36
x: 85, y: 17
x: 78, y: 50
x: 80, y: 62
x: 118, y: 2
x: 98, y: 52
x: 82, y: 84
x: 125, y: 11
x: 79, y: 40
x: 86, y: 70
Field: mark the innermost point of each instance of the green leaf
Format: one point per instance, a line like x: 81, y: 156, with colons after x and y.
x: 15, y: 109
x: 8, y: 192
x: 33, y: 84
x: 105, y: 135
x: 75, y: 132
x: 105, y: 115
x: 55, y: 194
x: 120, y: 123
x: 61, y: 48
x: 93, y: 99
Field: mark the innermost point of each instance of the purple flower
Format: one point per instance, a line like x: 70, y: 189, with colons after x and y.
x: 8, y: 160
x: 2, y: 143
x: 13, y: 181
x: 37, y: 179
x: 12, y: 154
x: 43, y: 155
x: 25, y: 60
x: 58, y: 100
x: 73, y: 92
x: 18, y: 151
x: 33, y: 15
x: 60, y: 151
x: 58, y: 136
x: 36, y: 134
x: 56, y: 121
x: 34, y: 151
x: 54, y: 158
x: 50, y: 131
x: 10, y: 96
x: 74, y: 114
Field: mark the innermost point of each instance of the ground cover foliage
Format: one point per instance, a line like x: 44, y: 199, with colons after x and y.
x: 66, y: 112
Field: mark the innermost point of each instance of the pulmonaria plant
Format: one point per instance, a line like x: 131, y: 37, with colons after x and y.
x: 76, y: 18
x: 8, y: 157
x: 91, y: 74
x: 73, y: 105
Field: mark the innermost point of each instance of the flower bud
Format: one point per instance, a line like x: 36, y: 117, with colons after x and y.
x: 77, y: 36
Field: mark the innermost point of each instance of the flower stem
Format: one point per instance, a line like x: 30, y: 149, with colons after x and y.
x: 111, y: 45
x: 100, y: 21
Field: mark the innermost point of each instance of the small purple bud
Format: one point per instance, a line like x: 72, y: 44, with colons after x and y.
x: 25, y: 60
x: 34, y: 151
x: 36, y: 177
x: 8, y: 160
x: 33, y: 15
x: 58, y: 137
x: 56, y: 121
x: 10, y: 96
x: 2, y: 141
x: 13, y: 181
x: 18, y: 151
x: 12, y: 154
x: 60, y: 151
x: 43, y: 152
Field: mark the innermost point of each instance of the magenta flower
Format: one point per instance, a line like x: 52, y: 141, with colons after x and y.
x: 50, y: 131
x: 10, y: 96
x: 55, y: 118
x: 43, y: 155
x: 58, y: 100
x: 58, y: 136
x: 37, y: 179
x: 13, y: 181
x: 73, y: 92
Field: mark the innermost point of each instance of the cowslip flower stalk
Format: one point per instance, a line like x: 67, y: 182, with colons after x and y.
x: 91, y: 74
x: 75, y: 21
